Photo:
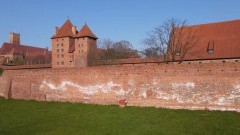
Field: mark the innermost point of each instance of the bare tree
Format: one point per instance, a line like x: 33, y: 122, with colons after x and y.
x: 124, y: 50
x: 170, y: 41
x: 150, y: 53
x: 116, y: 50
x: 104, y: 49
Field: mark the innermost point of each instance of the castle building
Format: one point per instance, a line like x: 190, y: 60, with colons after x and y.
x: 73, y: 48
x: 14, y: 53
x: 220, y: 40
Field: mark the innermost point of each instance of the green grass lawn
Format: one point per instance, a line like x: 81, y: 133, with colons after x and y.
x: 49, y: 118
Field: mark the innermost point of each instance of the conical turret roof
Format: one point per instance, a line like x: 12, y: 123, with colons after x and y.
x: 86, y: 32
x: 65, y: 30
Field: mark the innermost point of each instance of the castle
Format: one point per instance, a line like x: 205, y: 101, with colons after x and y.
x: 196, y: 83
x: 73, y: 48
x: 14, y: 53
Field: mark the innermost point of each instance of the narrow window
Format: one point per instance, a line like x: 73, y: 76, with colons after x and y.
x: 62, y: 39
x: 82, y: 51
x: 57, y: 63
x: 62, y: 63
x: 62, y: 56
x: 62, y: 44
x: 62, y: 50
x: 57, y: 45
x: 210, y: 48
x: 57, y: 50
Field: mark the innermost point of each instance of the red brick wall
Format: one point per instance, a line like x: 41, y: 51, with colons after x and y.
x: 60, y: 56
x: 84, y: 51
x: 214, y: 86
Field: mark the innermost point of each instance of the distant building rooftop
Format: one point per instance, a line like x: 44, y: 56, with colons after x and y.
x: 28, y: 51
x: 216, y: 41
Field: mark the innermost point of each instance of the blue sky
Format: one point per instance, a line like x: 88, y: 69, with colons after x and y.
x: 128, y: 20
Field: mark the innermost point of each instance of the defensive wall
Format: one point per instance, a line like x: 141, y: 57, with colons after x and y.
x: 189, y: 85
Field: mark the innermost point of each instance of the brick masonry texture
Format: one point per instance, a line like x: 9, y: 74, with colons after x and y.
x: 211, y: 86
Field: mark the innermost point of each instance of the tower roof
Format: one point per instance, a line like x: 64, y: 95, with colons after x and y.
x: 65, y: 30
x: 86, y: 32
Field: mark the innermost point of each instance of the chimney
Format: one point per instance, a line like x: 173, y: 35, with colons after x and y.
x: 14, y: 38
x: 74, y: 30
x: 56, y: 30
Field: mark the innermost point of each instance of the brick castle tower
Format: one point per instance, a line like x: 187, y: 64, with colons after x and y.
x: 14, y: 38
x: 71, y: 48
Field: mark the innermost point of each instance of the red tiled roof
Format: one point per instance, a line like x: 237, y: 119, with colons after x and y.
x: 65, y: 30
x: 86, y: 32
x: 222, y: 37
x: 30, y: 51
